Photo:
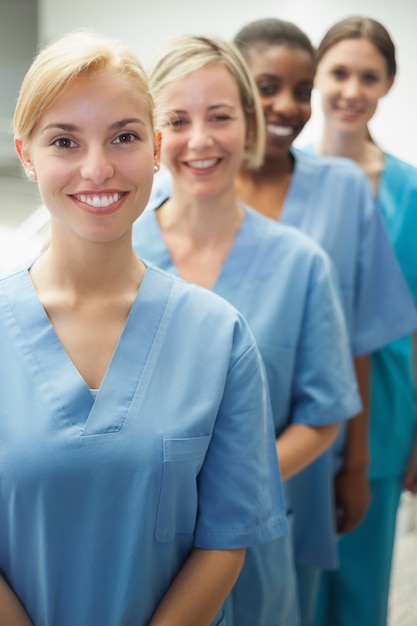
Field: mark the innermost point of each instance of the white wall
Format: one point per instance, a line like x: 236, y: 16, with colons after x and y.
x: 146, y: 25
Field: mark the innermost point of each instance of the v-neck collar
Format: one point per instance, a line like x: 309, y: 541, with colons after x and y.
x: 232, y: 281
x: 66, y: 391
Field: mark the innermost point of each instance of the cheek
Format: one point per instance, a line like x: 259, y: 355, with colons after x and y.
x: 265, y: 102
x: 170, y: 145
x: 234, y: 143
x: 306, y: 111
x: 326, y: 97
x: 372, y: 107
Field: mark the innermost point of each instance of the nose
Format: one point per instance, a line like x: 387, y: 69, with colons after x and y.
x: 351, y: 87
x: 284, y: 103
x: 97, y: 165
x: 200, y: 136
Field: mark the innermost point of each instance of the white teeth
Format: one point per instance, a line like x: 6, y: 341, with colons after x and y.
x: 280, y: 131
x: 99, y: 201
x: 201, y: 165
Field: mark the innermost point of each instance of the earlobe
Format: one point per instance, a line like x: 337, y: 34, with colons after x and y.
x: 25, y: 158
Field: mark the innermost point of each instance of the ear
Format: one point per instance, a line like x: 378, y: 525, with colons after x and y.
x: 157, y: 149
x: 23, y: 152
x: 389, y: 84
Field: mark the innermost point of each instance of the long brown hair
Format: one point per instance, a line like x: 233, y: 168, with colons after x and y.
x: 359, y: 27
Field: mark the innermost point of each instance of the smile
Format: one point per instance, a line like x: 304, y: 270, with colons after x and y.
x: 203, y: 164
x: 101, y: 201
x: 279, y: 130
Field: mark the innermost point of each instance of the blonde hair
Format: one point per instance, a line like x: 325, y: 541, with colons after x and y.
x: 61, y: 62
x: 189, y: 53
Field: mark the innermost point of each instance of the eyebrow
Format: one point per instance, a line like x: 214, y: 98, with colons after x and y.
x: 73, y: 127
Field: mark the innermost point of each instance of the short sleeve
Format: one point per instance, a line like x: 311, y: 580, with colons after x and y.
x: 324, y: 383
x: 384, y: 309
x: 240, y: 491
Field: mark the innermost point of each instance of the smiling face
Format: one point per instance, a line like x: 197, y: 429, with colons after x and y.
x: 204, y: 134
x: 284, y: 76
x: 93, y: 152
x: 352, y: 76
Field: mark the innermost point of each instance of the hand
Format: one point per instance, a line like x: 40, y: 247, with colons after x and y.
x: 352, y: 497
x: 410, y: 476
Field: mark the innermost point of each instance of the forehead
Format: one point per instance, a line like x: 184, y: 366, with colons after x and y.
x: 205, y: 86
x: 98, y: 92
x: 281, y: 59
x: 358, y: 52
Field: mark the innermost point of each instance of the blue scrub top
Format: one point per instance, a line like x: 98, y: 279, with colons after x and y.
x: 285, y: 286
x: 103, y: 497
x: 393, y: 416
x: 393, y: 401
x: 331, y: 201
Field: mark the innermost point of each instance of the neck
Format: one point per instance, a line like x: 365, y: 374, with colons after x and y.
x: 201, y: 219
x: 351, y: 145
x: 270, y: 170
x: 359, y: 148
x: 88, y: 269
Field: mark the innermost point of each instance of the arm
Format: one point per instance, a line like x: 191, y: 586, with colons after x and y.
x: 410, y: 477
x: 352, y: 493
x: 200, y: 588
x: 12, y: 612
x: 299, y: 445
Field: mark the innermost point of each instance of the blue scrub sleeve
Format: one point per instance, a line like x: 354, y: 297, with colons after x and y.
x: 382, y: 294
x: 405, y: 240
x: 324, y: 382
x: 240, y: 492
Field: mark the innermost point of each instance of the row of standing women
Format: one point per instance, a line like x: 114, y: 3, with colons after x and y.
x: 143, y: 416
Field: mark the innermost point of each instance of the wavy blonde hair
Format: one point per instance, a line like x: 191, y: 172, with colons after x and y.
x: 189, y: 53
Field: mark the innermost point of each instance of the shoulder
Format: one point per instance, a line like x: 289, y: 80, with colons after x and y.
x: 194, y: 306
x: 278, y: 234
x: 283, y: 246
x: 400, y: 171
x: 331, y: 166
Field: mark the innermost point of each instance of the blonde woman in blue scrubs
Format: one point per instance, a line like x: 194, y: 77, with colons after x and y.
x: 356, y: 68
x: 137, y: 453
x: 283, y: 283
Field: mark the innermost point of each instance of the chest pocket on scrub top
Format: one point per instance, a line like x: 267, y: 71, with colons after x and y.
x: 178, y: 500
